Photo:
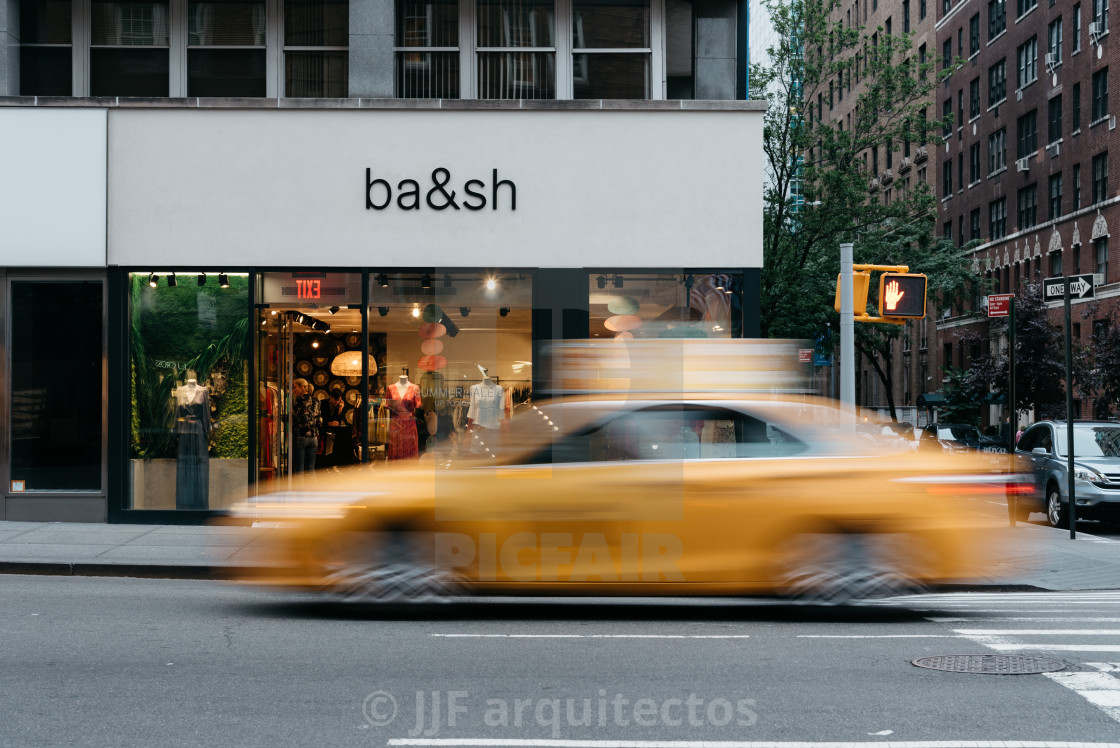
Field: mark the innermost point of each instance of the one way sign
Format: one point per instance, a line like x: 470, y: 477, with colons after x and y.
x: 1080, y: 287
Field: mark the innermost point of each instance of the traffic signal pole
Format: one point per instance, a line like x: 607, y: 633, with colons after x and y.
x: 847, y: 328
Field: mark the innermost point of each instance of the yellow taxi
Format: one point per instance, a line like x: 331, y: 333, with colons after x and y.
x: 646, y: 492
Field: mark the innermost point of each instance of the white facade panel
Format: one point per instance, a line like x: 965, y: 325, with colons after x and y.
x: 52, y: 188
x: 289, y: 188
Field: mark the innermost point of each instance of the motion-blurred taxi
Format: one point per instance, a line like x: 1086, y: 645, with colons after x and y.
x: 645, y: 493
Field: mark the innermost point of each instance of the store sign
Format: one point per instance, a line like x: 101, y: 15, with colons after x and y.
x: 440, y: 196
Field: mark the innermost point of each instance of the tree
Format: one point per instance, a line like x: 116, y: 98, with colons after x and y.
x: 817, y: 194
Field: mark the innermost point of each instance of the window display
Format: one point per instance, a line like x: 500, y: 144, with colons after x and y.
x: 688, y: 304
x: 189, y: 436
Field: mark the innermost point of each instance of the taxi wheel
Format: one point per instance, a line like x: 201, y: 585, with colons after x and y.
x: 390, y: 567
x: 840, y: 568
x: 1057, y: 515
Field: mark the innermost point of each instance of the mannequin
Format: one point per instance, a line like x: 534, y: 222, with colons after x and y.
x: 485, y: 413
x: 192, y: 426
x: 403, y: 398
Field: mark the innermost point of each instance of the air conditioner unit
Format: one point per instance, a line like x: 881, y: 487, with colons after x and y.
x: 1094, y: 32
x: 1018, y: 94
x: 1051, y: 60
x: 1055, y: 149
x: 1098, y: 279
x: 1023, y: 164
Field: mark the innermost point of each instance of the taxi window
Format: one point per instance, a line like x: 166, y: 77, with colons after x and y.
x: 677, y: 433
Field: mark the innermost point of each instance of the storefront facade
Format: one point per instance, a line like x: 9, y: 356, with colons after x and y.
x: 175, y: 275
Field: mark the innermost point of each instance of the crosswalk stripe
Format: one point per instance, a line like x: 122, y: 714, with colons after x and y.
x: 1038, y: 632
x: 1099, y: 689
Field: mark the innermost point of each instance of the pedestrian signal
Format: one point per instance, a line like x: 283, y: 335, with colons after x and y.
x: 902, y: 295
x: 860, y: 283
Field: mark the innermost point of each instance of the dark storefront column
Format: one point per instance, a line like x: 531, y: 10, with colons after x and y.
x: 560, y: 312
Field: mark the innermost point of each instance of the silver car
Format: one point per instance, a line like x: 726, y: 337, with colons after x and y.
x: 1096, y: 454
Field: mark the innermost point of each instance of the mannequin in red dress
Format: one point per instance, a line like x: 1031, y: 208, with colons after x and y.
x: 403, y: 399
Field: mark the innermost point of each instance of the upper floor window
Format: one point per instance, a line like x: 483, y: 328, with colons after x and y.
x: 974, y: 98
x: 1028, y: 62
x: 1055, y: 195
x: 46, y: 49
x: 1054, y: 131
x: 906, y: 16
x: 1028, y: 204
x: 1054, y: 42
x: 997, y: 150
x: 997, y: 82
x: 1100, y: 94
x: 1023, y: 6
x: 997, y: 219
x: 1027, y: 141
x: 974, y: 34
x: 1100, y: 15
x: 1100, y: 177
x: 1077, y: 27
x: 997, y: 18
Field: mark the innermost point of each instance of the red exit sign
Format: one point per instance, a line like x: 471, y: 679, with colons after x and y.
x: 309, y: 289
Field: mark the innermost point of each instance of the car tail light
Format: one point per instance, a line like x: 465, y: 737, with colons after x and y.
x: 990, y: 484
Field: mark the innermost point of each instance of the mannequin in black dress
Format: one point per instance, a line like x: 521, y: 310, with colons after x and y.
x: 192, y: 426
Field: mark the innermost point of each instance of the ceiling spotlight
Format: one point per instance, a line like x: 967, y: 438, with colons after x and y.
x: 383, y: 280
x: 314, y: 343
x: 415, y: 311
x: 601, y: 281
x: 264, y: 322
x: 425, y: 281
x: 172, y: 281
x: 383, y: 310
x: 223, y: 280
x: 333, y: 310
x: 618, y: 281
x: 202, y: 279
x: 491, y: 284
x: 504, y: 311
x: 464, y: 311
x: 153, y: 280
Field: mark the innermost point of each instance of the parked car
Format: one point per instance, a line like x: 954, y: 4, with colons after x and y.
x: 644, y: 494
x: 1096, y: 454
x: 959, y: 437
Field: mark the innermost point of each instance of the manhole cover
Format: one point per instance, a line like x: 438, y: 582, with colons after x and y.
x: 990, y: 664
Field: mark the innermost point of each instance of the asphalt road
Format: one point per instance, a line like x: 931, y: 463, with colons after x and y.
x: 126, y: 662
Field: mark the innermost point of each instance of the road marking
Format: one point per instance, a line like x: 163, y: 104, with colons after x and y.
x: 938, y: 619
x: 592, y: 636
x: 1108, y: 667
x: 556, y: 743
x: 878, y: 636
x: 1099, y: 689
x: 1037, y: 632
x: 1010, y: 647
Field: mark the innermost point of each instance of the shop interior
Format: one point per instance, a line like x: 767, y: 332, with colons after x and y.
x: 628, y: 306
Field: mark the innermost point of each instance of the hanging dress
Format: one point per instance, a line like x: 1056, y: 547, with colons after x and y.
x: 403, y: 439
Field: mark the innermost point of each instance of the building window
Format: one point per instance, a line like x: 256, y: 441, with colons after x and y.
x: 997, y: 150
x: 1077, y: 27
x: 45, y: 48
x: 922, y: 62
x: 1055, y: 196
x: 226, y: 48
x: 947, y: 54
x: 997, y: 18
x: 947, y: 230
x: 947, y: 179
x: 1028, y: 203
x: 921, y: 9
x: 1027, y: 132
x: 517, y: 51
x: 906, y: 16
x: 974, y: 163
x: 1025, y: 6
x: 1100, y: 15
x: 1054, y: 119
x: 974, y: 98
x: 997, y: 83
x: 947, y: 117
x: 316, y: 61
x: 1027, y: 55
x: 1054, y: 37
x: 130, y: 48
x: 1077, y: 186
x: 1100, y: 95
x: 974, y: 34
x: 1076, y: 107
x: 1055, y: 263
x: 1100, y: 177
x: 997, y: 219
x: 1100, y: 250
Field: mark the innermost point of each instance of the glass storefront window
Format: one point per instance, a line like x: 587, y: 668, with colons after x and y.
x: 57, y: 394
x: 189, y: 429
x: 454, y: 363
x: 665, y: 305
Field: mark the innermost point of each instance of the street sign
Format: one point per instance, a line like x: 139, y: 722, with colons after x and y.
x: 902, y: 295
x: 999, y: 304
x: 804, y: 355
x: 1080, y: 287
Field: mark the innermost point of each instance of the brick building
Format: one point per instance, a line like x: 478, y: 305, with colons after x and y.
x: 1026, y: 168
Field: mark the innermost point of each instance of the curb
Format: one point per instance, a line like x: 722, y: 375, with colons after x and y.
x: 140, y: 571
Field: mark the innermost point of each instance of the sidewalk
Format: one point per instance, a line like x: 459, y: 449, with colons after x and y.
x: 1034, y: 556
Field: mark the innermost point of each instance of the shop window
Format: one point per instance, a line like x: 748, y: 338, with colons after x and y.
x: 57, y: 389
x: 189, y: 429
x: 665, y: 305
x: 45, y: 49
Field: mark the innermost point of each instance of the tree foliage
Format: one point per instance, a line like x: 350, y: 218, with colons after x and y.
x: 819, y: 171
